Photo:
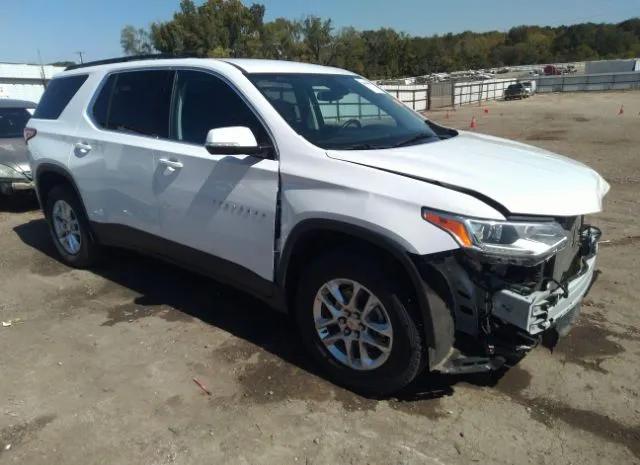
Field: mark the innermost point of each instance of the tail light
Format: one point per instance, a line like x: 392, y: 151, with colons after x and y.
x: 29, y: 133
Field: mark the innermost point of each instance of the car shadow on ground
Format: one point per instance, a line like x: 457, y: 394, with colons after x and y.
x: 159, y: 283
x: 19, y: 203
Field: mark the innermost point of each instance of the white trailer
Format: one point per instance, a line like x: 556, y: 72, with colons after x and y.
x: 25, y: 82
x: 612, y: 66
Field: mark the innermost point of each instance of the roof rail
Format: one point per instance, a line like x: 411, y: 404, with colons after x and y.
x: 156, y: 56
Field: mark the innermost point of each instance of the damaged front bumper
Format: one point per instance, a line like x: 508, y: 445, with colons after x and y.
x: 543, y: 310
x: 502, y: 317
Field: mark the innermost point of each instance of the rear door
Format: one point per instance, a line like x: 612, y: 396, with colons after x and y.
x: 222, y: 205
x: 113, y: 156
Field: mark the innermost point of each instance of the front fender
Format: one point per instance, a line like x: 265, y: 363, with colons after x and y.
x: 437, y: 320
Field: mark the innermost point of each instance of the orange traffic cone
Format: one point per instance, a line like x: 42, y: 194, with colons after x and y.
x: 485, y: 110
x: 621, y: 110
x: 474, y: 123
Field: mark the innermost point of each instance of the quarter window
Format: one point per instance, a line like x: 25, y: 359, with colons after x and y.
x: 57, y: 96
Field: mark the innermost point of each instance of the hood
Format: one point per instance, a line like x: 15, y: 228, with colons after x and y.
x: 525, y: 180
x: 13, y: 153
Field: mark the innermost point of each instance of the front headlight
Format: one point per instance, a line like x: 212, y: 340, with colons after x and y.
x: 507, y: 242
x: 6, y: 172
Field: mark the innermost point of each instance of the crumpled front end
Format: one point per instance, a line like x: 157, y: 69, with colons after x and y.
x: 502, y: 311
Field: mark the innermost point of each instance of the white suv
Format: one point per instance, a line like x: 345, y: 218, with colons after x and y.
x: 393, y: 241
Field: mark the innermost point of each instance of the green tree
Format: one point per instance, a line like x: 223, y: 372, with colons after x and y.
x: 62, y: 63
x: 317, y: 37
x: 220, y: 28
x: 283, y: 39
x: 348, y: 51
x: 135, y: 41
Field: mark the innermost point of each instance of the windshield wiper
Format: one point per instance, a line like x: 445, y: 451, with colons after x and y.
x: 415, y: 138
x: 359, y: 147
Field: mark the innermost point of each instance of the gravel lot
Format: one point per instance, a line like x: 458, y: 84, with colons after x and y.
x: 99, y: 368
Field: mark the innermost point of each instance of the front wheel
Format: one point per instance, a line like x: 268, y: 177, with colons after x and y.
x: 358, y: 321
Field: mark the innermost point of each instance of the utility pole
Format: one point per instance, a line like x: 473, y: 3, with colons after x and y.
x: 42, y: 73
x: 81, y: 55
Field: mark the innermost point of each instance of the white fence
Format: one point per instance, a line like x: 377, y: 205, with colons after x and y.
x: 414, y: 96
x: 589, y: 82
x: 352, y: 106
x: 464, y: 93
x: 347, y: 108
x: 470, y: 92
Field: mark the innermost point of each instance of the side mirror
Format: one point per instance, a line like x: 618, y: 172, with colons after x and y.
x: 234, y: 140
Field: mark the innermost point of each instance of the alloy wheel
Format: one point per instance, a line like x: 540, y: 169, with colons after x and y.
x: 353, y: 324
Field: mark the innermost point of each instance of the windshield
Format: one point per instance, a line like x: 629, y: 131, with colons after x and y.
x: 343, y: 112
x: 13, y: 122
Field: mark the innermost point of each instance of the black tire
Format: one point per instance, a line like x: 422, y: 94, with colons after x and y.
x: 89, y: 251
x: 407, y: 357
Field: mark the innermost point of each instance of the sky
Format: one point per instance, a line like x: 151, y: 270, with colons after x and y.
x: 60, y: 28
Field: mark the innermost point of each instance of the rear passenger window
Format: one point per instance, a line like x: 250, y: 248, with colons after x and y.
x: 57, y: 96
x: 140, y: 103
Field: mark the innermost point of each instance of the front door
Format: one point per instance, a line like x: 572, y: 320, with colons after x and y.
x: 221, y: 205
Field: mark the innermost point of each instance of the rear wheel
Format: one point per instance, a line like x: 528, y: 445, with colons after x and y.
x: 69, y: 228
x: 357, y: 319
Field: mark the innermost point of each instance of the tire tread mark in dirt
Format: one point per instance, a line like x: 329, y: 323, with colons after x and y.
x: 14, y: 435
x: 589, y: 345
x: 549, y: 411
x: 628, y: 240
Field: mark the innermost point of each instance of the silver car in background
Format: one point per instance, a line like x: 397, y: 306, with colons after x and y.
x: 15, y: 173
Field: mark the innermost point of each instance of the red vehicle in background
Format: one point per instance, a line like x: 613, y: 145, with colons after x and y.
x: 552, y: 70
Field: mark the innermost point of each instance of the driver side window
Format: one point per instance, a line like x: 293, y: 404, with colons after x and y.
x: 203, y: 102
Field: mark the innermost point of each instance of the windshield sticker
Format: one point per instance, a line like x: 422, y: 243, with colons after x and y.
x: 370, y: 86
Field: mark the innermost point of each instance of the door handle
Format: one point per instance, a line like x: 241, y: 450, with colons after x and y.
x: 82, y: 148
x: 175, y: 164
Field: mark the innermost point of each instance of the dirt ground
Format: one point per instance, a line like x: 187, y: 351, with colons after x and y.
x: 99, y: 368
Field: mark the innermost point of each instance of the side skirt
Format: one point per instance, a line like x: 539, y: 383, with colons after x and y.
x: 224, y: 271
